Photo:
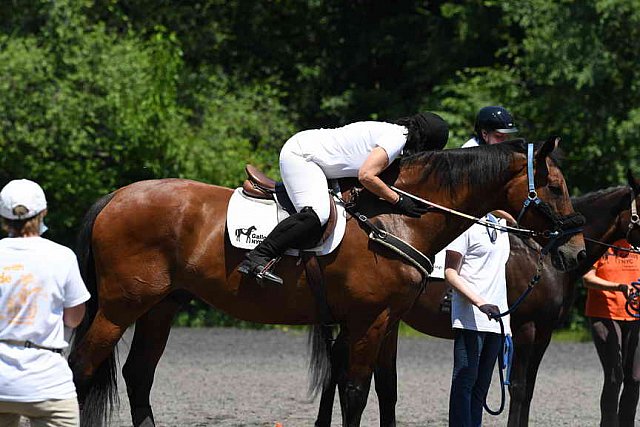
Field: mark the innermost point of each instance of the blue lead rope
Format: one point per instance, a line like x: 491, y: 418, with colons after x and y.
x: 504, y: 364
x: 507, y: 358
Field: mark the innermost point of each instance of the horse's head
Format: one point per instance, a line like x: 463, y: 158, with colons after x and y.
x: 547, y: 206
x: 629, y: 218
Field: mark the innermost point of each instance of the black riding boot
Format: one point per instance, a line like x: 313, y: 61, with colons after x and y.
x: 300, y: 230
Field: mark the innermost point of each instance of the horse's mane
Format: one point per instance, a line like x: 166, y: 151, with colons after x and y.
x: 478, y: 165
x: 588, y: 199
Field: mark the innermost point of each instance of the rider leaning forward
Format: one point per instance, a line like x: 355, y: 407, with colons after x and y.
x: 362, y: 150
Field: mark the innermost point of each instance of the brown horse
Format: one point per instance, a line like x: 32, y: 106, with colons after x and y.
x: 145, y: 246
x: 608, y: 215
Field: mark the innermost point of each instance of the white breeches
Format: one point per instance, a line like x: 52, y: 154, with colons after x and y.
x: 304, y: 180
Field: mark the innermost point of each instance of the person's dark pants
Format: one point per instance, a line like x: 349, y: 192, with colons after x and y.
x: 474, y: 357
x: 616, y: 342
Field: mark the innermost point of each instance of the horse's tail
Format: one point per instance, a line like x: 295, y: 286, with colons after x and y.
x: 94, y: 393
x: 320, y: 341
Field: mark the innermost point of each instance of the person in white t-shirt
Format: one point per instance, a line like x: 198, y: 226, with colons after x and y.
x: 362, y: 150
x: 494, y: 124
x: 41, y: 291
x: 475, y: 268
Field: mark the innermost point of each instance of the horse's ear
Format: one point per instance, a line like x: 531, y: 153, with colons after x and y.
x: 542, y: 171
x: 547, y: 148
x: 632, y: 182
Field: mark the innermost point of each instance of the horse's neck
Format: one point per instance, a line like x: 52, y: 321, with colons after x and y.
x: 601, y: 216
x: 475, y: 199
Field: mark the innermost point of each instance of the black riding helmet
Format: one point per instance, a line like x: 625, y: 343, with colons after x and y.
x: 494, y: 118
x: 426, y: 131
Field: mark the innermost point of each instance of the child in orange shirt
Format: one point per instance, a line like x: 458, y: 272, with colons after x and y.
x: 615, y: 333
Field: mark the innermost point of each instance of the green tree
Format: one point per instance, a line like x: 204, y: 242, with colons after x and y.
x: 567, y: 68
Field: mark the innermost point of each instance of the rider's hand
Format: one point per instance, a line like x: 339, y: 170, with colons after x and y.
x: 492, y: 311
x: 624, y: 289
x: 410, y: 207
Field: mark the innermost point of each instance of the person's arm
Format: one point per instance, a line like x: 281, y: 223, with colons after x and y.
x: 376, y: 162
x: 505, y: 215
x: 592, y: 281
x: 72, y: 316
x: 452, y: 264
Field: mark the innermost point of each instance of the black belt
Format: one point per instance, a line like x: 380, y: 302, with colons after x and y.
x: 30, y: 344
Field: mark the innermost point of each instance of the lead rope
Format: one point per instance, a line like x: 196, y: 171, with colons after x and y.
x: 498, y: 317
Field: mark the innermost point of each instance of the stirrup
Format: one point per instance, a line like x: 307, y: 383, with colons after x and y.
x: 265, y: 273
x: 262, y: 273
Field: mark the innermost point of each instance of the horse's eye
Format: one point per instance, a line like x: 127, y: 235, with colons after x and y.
x: 556, y: 190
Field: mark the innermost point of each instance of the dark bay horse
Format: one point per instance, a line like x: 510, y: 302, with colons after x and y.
x: 145, y: 246
x: 608, y: 215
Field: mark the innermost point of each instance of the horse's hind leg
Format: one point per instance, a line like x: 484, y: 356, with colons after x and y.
x: 386, y: 378
x: 96, y: 347
x: 338, y: 362
x: 364, y: 346
x: 149, y: 341
x: 93, y: 364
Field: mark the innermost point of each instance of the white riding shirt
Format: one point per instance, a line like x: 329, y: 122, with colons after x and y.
x: 484, y: 269
x: 38, y: 280
x: 309, y: 157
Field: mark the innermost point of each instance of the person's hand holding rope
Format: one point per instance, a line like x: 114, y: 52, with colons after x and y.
x: 492, y: 311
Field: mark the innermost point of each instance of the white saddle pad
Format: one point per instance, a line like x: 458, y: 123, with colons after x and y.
x: 250, y: 220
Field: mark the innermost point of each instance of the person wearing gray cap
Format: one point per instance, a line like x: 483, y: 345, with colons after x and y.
x: 41, y: 291
x: 494, y: 124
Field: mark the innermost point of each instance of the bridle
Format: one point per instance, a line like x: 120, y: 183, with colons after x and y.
x: 563, y: 226
x: 634, y: 222
x: 635, y: 219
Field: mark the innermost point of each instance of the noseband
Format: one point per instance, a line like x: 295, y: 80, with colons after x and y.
x: 563, y: 225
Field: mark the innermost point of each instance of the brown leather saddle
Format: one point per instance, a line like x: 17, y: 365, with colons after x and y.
x: 260, y: 186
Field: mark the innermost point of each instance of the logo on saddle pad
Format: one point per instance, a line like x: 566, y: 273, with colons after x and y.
x: 249, y: 234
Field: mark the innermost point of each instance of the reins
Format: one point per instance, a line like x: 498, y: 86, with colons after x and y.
x: 632, y: 250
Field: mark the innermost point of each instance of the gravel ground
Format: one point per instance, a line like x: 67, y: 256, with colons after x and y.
x: 233, y: 377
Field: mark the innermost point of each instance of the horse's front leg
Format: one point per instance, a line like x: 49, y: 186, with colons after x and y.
x: 531, y: 342
x: 365, y: 339
x: 149, y: 341
x: 386, y: 378
x: 523, y: 340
